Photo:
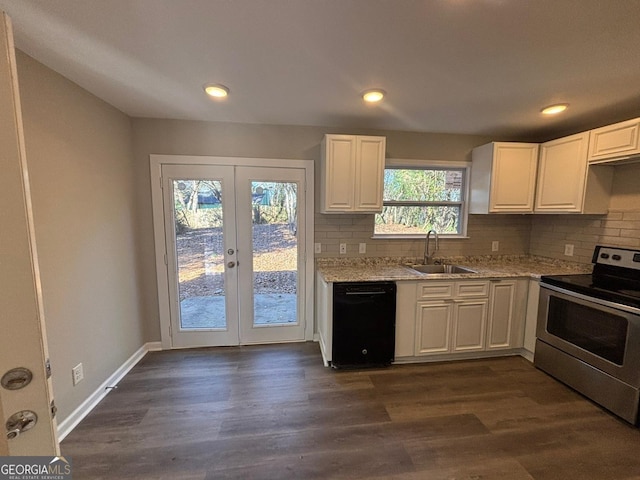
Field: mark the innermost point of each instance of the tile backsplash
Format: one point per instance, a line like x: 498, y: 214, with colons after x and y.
x: 512, y: 231
x: 540, y: 235
x: 550, y: 233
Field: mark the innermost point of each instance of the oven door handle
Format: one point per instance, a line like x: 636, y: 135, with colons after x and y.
x: 587, y: 298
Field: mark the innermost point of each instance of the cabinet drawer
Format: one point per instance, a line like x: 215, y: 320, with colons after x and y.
x: 435, y: 290
x: 472, y: 289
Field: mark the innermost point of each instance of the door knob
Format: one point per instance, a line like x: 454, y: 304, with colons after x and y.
x: 231, y: 264
x: 20, y: 422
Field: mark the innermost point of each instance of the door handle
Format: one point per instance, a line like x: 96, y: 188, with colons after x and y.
x: 231, y: 264
x: 20, y: 422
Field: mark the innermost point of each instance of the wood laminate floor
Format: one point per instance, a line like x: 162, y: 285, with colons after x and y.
x: 274, y: 412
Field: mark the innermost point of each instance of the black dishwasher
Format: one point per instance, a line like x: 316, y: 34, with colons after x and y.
x: 364, y: 324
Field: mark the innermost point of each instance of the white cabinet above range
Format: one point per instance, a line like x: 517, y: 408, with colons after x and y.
x: 615, y: 142
x: 553, y: 177
x: 566, y: 183
x: 352, y: 174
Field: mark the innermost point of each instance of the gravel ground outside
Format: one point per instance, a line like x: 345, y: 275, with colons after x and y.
x: 201, y: 261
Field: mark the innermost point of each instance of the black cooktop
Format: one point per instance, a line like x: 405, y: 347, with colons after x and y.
x: 615, y: 277
x: 605, y: 287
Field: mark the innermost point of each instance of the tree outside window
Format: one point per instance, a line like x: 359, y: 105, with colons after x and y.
x: 417, y: 200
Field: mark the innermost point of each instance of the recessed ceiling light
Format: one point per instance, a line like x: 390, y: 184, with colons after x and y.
x: 373, y: 96
x: 216, y: 90
x: 554, y: 109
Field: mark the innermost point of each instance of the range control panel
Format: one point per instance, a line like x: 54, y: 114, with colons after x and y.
x: 617, y: 257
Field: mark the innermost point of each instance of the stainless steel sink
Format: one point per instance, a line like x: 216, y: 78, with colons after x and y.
x: 441, y: 269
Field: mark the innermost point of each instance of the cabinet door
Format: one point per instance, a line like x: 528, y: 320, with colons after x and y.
x: 562, y: 174
x: 612, y: 141
x: 501, y: 314
x: 405, y: 319
x: 469, y: 325
x: 369, y: 173
x: 433, y: 327
x: 513, y: 177
x: 531, y: 321
x: 339, y: 173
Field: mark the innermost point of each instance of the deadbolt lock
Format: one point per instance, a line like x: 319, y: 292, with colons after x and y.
x: 16, y: 378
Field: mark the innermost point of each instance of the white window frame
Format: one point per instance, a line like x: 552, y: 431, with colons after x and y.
x: 434, y: 164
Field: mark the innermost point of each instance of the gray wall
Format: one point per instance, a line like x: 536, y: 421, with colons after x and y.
x: 82, y: 185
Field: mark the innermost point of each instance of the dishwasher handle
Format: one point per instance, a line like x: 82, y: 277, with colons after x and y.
x: 364, y: 289
x: 370, y: 292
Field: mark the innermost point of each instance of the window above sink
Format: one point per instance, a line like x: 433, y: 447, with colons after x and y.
x: 421, y: 195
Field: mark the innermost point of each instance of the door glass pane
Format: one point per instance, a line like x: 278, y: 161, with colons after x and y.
x: 275, y: 252
x: 200, y: 253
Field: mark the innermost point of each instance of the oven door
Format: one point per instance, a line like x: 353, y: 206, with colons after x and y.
x: 595, y: 331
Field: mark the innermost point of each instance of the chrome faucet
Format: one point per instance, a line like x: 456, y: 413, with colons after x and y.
x: 428, y: 256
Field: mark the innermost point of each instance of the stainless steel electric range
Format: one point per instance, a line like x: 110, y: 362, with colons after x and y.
x: 588, y: 332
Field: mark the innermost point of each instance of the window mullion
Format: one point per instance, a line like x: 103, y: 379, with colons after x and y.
x: 397, y: 203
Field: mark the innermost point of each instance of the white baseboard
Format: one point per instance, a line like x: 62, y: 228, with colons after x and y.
x: 527, y: 354
x: 153, y: 346
x: 68, y: 424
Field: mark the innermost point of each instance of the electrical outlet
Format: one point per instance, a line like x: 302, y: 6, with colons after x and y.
x: 495, y: 246
x: 78, y: 373
x: 317, y: 248
x: 568, y: 250
x: 343, y: 248
x: 362, y: 248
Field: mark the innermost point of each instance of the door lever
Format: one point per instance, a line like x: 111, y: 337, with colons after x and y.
x: 20, y: 422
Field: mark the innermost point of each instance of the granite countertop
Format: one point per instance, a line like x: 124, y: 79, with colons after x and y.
x: 396, y: 269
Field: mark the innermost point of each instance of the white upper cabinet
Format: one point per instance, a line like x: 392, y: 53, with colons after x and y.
x: 566, y: 184
x: 615, y: 142
x: 352, y: 174
x: 503, y: 178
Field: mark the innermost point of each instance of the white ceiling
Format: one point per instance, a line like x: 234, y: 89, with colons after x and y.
x: 457, y: 66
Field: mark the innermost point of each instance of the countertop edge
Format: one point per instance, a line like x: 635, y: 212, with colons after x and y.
x: 399, y: 272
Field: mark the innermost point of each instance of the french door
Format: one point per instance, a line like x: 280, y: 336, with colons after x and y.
x: 235, y: 245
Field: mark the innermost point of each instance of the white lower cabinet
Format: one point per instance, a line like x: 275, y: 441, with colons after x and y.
x: 463, y: 316
x: 433, y: 327
x: 469, y: 325
x: 531, y: 319
x: 405, y: 318
x: 502, y: 331
x: 451, y: 317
